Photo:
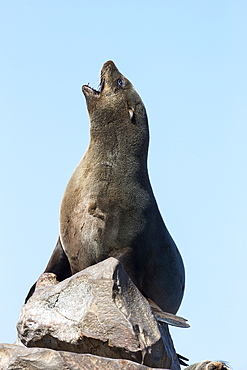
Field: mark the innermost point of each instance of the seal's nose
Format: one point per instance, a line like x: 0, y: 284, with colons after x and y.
x: 108, y: 69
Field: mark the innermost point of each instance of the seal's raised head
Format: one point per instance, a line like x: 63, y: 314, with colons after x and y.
x: 114, y: 88
x: 116, y: 106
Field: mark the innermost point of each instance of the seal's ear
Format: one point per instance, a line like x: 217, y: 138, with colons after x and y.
x: 132, y: 115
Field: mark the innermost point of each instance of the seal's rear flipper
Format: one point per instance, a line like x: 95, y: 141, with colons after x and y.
x: 58, y: 264
x: 167, y: 317
x: 181, y: 360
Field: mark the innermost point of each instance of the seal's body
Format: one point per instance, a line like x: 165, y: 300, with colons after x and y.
x: 108, y: 208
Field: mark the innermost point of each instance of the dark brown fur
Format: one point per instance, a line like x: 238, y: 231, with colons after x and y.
x: 109, y: 208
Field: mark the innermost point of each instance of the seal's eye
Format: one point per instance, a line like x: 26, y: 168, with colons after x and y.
x: 120, y: 82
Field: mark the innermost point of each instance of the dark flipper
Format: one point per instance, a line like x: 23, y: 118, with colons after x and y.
x: 58, y: 264
x: 167, y: 317
x: 181, y: 360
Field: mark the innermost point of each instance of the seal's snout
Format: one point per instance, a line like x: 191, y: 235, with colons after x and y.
x: 109, y: 64
x: 108, y: 69
x: 107, y: 73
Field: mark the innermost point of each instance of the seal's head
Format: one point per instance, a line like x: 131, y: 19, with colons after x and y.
x: 209, y: 365
x: 116, y: 109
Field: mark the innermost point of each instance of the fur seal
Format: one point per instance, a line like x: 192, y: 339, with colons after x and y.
x: 108, y: 208
x: 209, y: 365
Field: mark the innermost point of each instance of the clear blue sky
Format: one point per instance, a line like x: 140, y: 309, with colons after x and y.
x: 188, y: 60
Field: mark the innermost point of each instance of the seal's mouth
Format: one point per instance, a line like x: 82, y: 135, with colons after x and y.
x: 102, y: 84
x: 90, y: 90
x: 105, y: 74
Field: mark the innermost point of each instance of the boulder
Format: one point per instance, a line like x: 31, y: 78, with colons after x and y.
x: 14, y: 357
x: 98, y: 311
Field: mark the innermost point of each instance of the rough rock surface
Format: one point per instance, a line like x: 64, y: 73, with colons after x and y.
x: 14, y: 357
x: 98, y: 311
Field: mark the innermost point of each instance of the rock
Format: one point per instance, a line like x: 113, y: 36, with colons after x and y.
x: 98, y: 311
x: 208, y: 365
x: 14, y: 357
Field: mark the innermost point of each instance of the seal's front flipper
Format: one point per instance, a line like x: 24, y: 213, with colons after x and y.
x: 30, y: 293
x: 58, y: 264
